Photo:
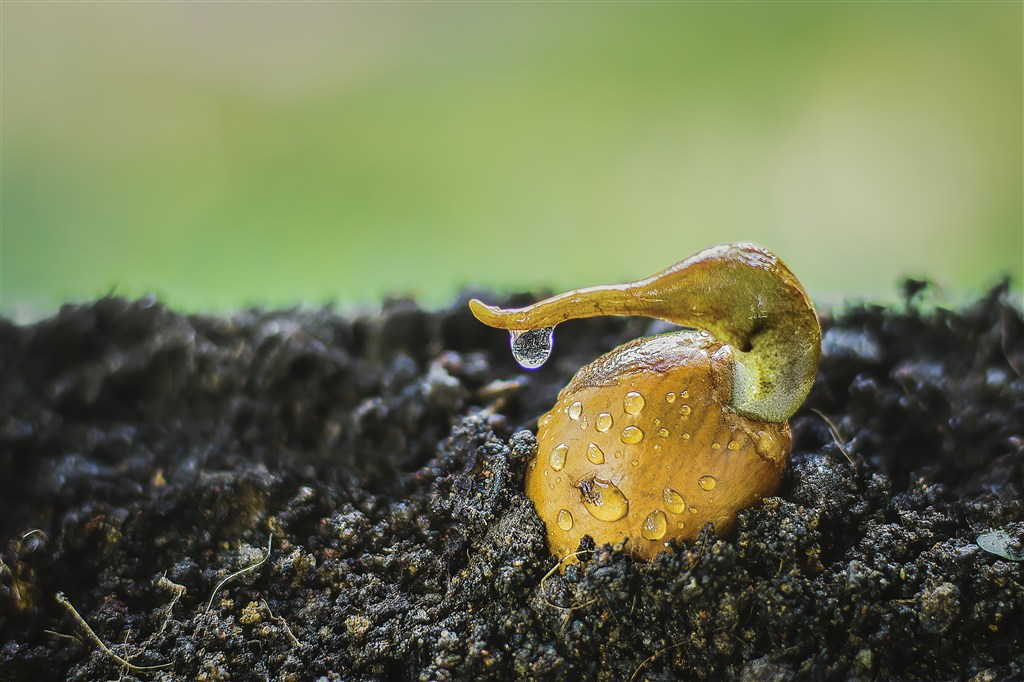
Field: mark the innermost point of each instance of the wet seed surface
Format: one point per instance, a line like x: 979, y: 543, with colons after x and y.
x: 146, y: 454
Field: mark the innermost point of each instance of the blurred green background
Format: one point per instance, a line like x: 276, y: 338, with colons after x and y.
x: 225, y: 154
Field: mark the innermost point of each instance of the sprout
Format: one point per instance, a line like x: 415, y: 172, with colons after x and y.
x: 663, y: 434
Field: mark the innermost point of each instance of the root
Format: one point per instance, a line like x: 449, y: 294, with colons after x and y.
x: 283, y: 622
x: 836, y: 436
x: 92, y: 636
x: 250, y: 567
x: 652, y: 657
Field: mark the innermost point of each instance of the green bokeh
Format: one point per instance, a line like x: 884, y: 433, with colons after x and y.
x: 220, y: 155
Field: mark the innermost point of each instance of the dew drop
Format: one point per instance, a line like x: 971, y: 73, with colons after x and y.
x: 564, y: 519
x: 595, y: 454
x: 583, y: 422
x: 603, y: 499
x: 547, y: 419
x: 670, y: 397
x: 633, y: 403
x: 557, y: 458
x: 686, y: 436
x: 734, y: 445
x: 663, y: 433
x: 684, y: 410
x: 632, y: 435
x: 603, y: 422
x: 684, y: 394
x: 531, y: 347
x: 575, y: 410
x: 635, y: 462
x: 673, y: 500
x: 655, y: 525
x: 680, y: 524
x: 707, y: 482
x: 716, y: 446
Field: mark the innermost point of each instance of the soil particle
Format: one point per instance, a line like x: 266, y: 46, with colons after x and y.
x: 147, y: 457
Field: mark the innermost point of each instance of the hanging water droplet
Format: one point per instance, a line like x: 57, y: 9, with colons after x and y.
x: 603, y: 499
x: 707, y: 482
x: 655, y: 525
x: 673, y: 500
x: 603, y: 422
x: 633, y: 403
x: 531, y: 347
x: 575, y: 410
x: 564, y: 519
x: 632, y: 435
x: 557, y: 458
x: 595, y: 454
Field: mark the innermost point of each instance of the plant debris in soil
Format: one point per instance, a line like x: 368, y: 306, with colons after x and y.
x: 298, y: 495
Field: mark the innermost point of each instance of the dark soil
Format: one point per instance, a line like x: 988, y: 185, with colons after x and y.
x: 146, y: 455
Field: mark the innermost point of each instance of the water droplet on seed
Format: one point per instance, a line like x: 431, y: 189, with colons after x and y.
x: 670, y: 397
x: 686, y: 436
x: 603, y: 499
x: 564, y: 519
x: 632, y: 435
x: 603, y: 422
x: 557, y: 458
x: 655, y: 525
x: 684, y: 410
x: 707, y: 482
x: 531, y: 347
x: 574, y: 410
x: 595, y: 454
x: 583, y: 422
x: 633, y: 403
x: 734, y: 445
x: 663, y: 433
x: 673, y: 500
x: 716, y: 445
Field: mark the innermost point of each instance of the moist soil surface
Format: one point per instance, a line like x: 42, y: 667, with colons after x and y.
x: 150, y: 459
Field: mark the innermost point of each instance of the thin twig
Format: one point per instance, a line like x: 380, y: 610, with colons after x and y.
x: 250, y: 567
x: 63, y: 601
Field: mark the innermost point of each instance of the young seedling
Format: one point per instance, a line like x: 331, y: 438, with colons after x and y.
x: 663, y: 434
